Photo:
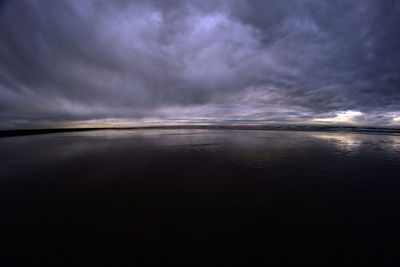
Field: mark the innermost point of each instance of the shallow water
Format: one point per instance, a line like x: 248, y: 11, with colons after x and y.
x: 200, y: 197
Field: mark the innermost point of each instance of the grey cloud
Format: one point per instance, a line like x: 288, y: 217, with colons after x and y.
x: 275, y: 61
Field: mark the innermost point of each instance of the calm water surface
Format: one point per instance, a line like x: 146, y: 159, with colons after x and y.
x: 200, y: 198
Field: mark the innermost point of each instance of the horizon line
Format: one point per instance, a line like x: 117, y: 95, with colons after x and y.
x: 282, y: 127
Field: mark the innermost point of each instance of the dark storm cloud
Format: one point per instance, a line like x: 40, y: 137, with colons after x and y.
x: 199, y: 60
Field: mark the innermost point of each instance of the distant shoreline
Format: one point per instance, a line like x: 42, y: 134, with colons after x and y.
x: 22, y: 132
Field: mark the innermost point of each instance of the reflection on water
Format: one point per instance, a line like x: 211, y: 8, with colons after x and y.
x: 343, y: 141
x: 352, y: 141
x: 107, y: 195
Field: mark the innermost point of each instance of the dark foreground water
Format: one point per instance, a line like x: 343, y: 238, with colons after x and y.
x: 200, y: 198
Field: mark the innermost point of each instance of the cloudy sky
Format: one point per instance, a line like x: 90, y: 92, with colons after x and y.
x: 100, y: 62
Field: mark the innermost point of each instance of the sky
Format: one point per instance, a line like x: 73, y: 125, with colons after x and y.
x: 67, y: 63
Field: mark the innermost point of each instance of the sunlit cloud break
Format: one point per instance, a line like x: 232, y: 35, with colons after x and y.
x: 348, y: 116
x: 126, y: 63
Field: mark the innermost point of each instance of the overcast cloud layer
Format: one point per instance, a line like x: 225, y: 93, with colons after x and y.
x: 304, y: 61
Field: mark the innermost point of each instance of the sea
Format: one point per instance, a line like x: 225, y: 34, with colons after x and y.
x: 200, y: 197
